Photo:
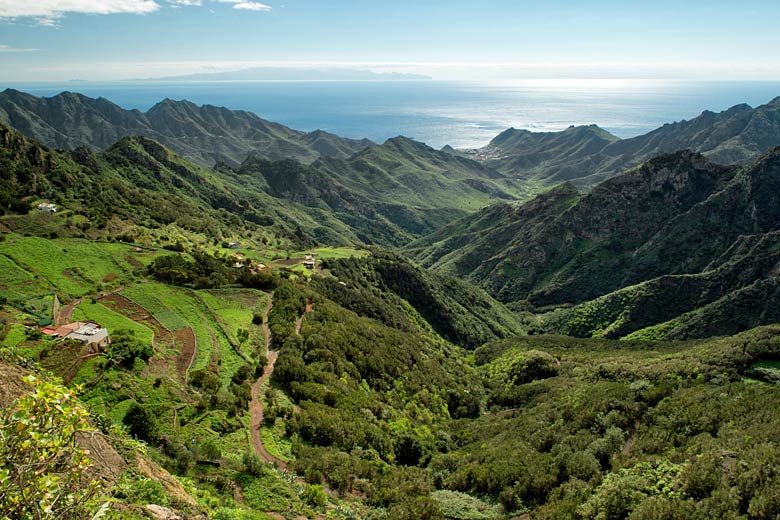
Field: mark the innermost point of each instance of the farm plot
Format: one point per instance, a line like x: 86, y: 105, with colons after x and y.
x: 87, y: 311
x: 235, y: 309
x: 73, y: 266
x: 177, y: 308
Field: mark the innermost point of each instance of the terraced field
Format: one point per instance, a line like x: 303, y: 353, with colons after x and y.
x: 177, y: 308
x: 235, y: 309
x: 88, y: 311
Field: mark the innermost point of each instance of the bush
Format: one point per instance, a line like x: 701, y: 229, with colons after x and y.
x: 141, y: 423
x: 42, y: 469
x: 315, y: 496
x: 532, y: 365
x: 253, y: 465
x: 125, y: 349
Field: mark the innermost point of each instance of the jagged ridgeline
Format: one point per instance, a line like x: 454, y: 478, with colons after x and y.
x: 679, y: 244
x: 206, y: 135
x: 587, y: 155
x: 139, y: 182
x: 384, y: 194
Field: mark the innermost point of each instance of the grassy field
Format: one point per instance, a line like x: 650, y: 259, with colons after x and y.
x: 332, y: 252
x: 75, y: 267
x: 19, y: 284
x: 144, y: 295
x: 88, y: 311
x: 15, y: 336
x: 234, y: 309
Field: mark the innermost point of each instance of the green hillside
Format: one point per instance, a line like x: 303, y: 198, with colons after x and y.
x: 678, y: 240
x: 587, y: 155
x: 206, y: 135
x: 387, y: 194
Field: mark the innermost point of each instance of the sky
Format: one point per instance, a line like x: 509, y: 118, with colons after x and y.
x: 61, y: 40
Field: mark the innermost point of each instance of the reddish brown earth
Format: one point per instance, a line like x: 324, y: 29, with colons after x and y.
x: 183, y: 340
x: 66, y: 312
x: 256, y: 405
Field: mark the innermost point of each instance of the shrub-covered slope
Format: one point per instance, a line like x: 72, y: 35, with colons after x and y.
x: 672, y: 236
x: 384, y: 285
x: 138, y: 180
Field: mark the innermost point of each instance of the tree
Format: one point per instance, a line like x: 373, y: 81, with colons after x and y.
x: 125, y: 348
x: 42, y: 468
x: 141, y: 423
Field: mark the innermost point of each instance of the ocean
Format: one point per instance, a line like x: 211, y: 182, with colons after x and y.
x: 461, y: 114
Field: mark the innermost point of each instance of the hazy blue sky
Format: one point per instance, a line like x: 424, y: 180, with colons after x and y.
x: 114, y: 39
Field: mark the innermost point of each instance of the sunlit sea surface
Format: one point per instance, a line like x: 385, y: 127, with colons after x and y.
x: 461, y: 114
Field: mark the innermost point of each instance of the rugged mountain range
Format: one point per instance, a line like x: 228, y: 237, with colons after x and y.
x: 205, y: 134
x: 387, y: 194
x: 139, y: 181
x: 677, y: 235
x: 374, y: 197
x: 390, y: 194
x: 587, y: 155
x: 584, y: 155
x: 365, y: 389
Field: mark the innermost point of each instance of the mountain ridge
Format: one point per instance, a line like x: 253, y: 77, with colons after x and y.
x: 588, y: 154
x: 205, y: 134
x: 617, y: 249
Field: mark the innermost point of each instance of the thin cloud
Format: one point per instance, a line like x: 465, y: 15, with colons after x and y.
x: 188, y: 3
x: 8, y: 48
x: 247, y: 5
x: 48, y: 11
x: 252, y: 6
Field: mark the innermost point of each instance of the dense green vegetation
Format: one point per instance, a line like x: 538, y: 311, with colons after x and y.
x: 621, y: 429
x: 389, y: 391
x: 680, y: 247
x: 385, y: 286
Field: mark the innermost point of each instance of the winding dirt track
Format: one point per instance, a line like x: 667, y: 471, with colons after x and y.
x: 256, y: 405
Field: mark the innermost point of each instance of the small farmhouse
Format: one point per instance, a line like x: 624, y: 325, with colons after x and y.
x: 48, y: 208
x: 234, y: 245
x: 309, y: 262
x: 89, y: 333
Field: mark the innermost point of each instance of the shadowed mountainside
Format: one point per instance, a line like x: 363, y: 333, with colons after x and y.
x: 697, y: 238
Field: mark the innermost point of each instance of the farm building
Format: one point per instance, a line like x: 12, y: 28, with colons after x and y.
x: 309, y: 262
x: 48, y: 208
x: 89, y: 333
